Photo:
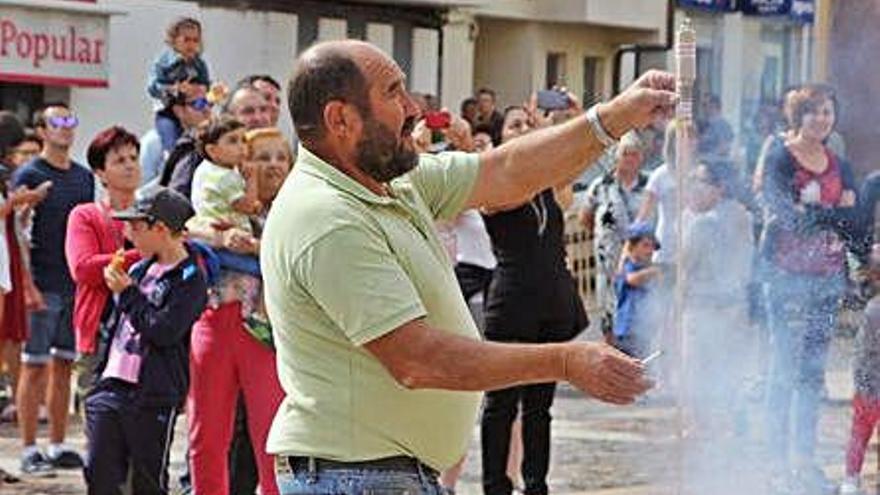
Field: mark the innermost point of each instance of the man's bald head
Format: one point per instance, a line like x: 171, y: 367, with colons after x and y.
x: 334, y: 70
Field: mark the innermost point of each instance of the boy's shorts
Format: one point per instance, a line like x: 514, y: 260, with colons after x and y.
x: 51, y: 332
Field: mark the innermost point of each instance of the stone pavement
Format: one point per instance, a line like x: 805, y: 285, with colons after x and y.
x: 597, y: 449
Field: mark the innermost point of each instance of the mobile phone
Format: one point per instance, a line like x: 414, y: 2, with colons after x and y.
x: 438, y: 120
x: 549, y: 99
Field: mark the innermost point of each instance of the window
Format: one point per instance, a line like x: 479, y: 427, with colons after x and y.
x: 23, y: 99
x: 555, y: 74
x: 592, y: 74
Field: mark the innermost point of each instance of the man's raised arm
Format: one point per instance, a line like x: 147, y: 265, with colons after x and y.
x: 516, y: 171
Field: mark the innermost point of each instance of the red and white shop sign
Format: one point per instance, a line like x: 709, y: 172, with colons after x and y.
x: 53, y: 47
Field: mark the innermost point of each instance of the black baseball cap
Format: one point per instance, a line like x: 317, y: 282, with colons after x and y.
x: 160, y: 204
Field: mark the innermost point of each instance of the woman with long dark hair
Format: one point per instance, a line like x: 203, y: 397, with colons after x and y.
x: 532, y: 299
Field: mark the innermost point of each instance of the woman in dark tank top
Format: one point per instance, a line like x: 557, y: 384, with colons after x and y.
x: 532, y: 299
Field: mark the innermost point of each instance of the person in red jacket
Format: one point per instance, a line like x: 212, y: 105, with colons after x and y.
x: 94, y: 238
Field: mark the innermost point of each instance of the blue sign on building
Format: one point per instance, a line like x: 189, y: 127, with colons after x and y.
x: 799, y: 10
x: 713, y: 5
x: 765, y: 7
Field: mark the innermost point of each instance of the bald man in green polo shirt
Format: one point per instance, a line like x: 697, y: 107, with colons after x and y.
x: 379, y: 358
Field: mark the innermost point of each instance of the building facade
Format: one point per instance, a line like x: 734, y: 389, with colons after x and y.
x: 95, y: 54
x: 522, y: 46
x: 852, y: 37
x: 108, y: 85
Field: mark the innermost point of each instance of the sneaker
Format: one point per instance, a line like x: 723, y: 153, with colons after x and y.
x: 35, y: 462
x: 65, y: 458
x: 850, y: 486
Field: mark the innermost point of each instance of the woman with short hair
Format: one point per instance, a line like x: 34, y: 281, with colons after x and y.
x: 94, y: 237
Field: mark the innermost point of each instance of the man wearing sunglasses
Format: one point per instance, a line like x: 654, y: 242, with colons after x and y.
x: 190, y: 112
x: 49, y: 352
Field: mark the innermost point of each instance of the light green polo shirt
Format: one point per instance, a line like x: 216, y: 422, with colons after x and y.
x: 343, y: 266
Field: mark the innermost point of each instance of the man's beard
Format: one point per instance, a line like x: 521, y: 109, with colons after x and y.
x: 382, y: 155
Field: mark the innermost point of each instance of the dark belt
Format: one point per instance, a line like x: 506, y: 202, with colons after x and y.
x: 396, y: 463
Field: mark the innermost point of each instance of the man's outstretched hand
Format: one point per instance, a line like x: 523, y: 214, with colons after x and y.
x: 605, y: 373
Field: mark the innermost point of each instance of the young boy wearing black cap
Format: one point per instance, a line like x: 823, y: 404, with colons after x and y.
x: 143, y: 376
x: 631, y: 318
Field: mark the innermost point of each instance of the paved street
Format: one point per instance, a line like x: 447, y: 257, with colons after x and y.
x: 597, y: 449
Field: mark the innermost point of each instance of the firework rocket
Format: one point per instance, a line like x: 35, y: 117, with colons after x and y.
x: 685, y: 70
x: 685, y: 77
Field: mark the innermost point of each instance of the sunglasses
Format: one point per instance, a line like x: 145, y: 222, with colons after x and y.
x: 200, y: 103
x: 69, y: 122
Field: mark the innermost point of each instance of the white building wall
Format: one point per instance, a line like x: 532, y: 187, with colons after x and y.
x: 503, y: 59
x: 239, y: 43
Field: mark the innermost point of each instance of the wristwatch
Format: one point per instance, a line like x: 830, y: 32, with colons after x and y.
x: 598, y: 129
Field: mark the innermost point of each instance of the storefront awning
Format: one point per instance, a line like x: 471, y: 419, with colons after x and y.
x: 54, y: 42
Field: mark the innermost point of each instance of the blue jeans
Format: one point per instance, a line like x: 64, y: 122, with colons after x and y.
x: 168, y: 128
x: 124, y: 437
x: 353, y: 481
x: 51, y: 332
x: 802, y: 314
